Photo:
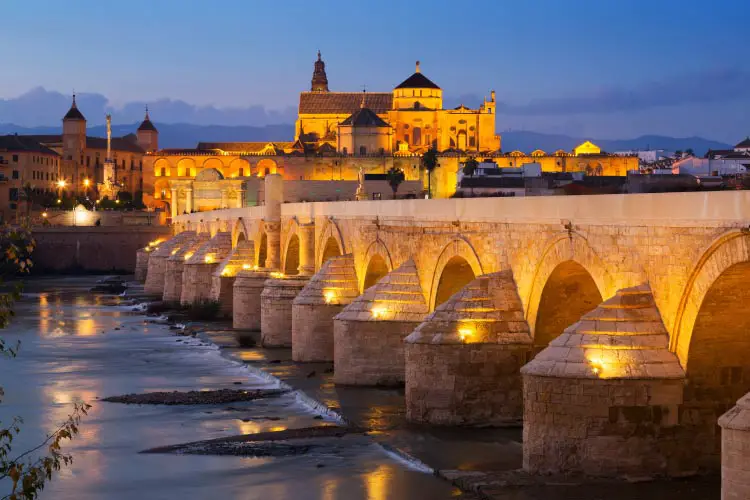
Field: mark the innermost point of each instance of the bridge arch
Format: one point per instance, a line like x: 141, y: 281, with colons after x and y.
x: 290, y: 256
x: 376, y: 263
x: 712, y: 339
x: 457, y: 265
x: 330, y: 243
x: 570, y: 274
x: 261, y: 246
x: 239, y: 232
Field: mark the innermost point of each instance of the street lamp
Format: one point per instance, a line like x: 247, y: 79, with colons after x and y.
x: 60, y: 187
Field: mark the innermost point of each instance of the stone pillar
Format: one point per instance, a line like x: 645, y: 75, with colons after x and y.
x: 199, y: 268
x: 223, y: 202
x: 173, y: 205
x: 157, y: 263
x: 222, y: 284
x: 248, y: 285
x: 276, y: 310
x: 307, y: 249
x: 175, y: 267
x: 141, y: 264
x: 463, y: 363
x: 188, y: 200
x: 273, y: 242
x: 325, y: 295
x: 603, y: 398
x: 369, y: 333
x: 735, y: 451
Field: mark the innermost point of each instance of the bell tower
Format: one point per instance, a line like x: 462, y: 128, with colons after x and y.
x: 148, y: 136
x: 74, y: 133
x: 319, y: 78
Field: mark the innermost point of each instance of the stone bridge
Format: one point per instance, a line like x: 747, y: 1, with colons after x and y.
x: 613, y: 327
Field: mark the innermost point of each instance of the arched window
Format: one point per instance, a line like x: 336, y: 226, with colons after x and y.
x: 163, y: 172
x: 362, y: 150
x: 406, y: 138
x: 241, y: 173
x: 417, y: 136
x: 188, y: 172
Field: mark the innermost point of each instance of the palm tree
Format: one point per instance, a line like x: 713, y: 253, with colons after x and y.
x: 395, y: 177
x: 430, y: 163
x: 470, y: 167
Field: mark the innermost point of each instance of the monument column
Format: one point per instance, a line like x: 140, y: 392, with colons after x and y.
x: 188, y: 200
x: 174, y: 202
x: 307, y: 249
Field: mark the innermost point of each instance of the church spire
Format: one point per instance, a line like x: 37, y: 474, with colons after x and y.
x: 319, y: 78
x: 74, y: 113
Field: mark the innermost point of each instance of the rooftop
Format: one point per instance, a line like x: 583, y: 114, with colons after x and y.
x: 23, y: 144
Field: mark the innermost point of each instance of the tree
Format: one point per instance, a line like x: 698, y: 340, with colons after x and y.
x: 395, y: 177
x: 430, y: 163
x: 28, y: 194
x: 470, y: 168
x: 689, y: 152
x: 26, y: 472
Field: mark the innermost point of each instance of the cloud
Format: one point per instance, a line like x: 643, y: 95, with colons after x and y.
x: 43, y: 107
x: 697, y: 88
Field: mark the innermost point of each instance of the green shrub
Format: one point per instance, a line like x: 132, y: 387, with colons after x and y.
x: 203, y: 310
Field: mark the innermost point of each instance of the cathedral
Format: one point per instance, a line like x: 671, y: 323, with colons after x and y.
x: 409, y: 119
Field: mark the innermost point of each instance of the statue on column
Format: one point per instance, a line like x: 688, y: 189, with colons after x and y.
x: 108, y: 187
x: 361, y: 193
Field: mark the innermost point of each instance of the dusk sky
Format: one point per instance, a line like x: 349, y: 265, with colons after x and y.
x: 611, y: 69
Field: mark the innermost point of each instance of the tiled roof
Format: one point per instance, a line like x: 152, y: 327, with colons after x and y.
x: 344, y: 102
x: 147, y: 125
x: 244, y: 147
x: 73, y: 113
x: 744, y: 144
x: 365, y: 117
x: 417, y: 81
x: 125, y: 143
x: 23, y: 143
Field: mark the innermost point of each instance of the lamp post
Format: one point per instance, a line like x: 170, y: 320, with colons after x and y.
x: 86, y: 184
x: 60, y: 187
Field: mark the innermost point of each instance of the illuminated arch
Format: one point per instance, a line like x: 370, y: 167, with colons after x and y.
x: 727, y: 250
x: 517, y: 153
x: 291, y: 243
x: 266, y: 166
x: 538, y: 152
x: 459, y: 247
x: 185, y: 164
x: 330, y: 230
x: 162, y: 163
x: 233, y: 170
x: 214, y: 163
x: 239, y: 231
x: 376, y: 259
x: 564, y: 248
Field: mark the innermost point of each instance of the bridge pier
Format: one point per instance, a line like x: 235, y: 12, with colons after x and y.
x: 735, y: 451
x: 141, y: 263
x: 276, y: 309
x: 157, y: 263
x: 176, y: 265
x: 222, y: 280
x: 199, y: 268
x: 602, y: 399
x: 369, y: 333
x: 313, y: 310
x: 248, y: 285
x: 463, y: 362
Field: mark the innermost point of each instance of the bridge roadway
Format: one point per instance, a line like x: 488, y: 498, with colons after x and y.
x: 613, y: 327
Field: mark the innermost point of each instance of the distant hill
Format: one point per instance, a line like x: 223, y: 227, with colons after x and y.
x: 529, y: 141
x: 184, y: 135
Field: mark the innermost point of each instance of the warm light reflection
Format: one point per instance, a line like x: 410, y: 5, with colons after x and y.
x: 277, y: 275
x: 188, y: 255
x: 465, y: 333
x: 379, y: 312
x: 277, y: 428
x: 377, y: 483
x: 225, y: 271
x: 246, y: 266
x: 248, y: 427
x: 208, y: 259
x: 330, y: 296
x: 175, y: 251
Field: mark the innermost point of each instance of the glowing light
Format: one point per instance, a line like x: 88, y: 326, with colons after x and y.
x: 208, y: 259
x: 175, y: 251
x: 61, y: 183
x: 188, y: 255
x: 277, y: 275
x: 225, y: 272
x: 378, y: 312
x: 86, y: 182
x: 117, y: 201
x: 246, y: 266
x: 330, y: 296
x: 59, y: 200
x: 44, y: 214
x: 465, y: 333
x: 278, y: 428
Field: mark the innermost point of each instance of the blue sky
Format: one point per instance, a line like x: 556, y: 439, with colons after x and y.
x: 617, y: 67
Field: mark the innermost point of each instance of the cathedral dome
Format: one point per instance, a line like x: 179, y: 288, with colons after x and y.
x: 417, y: 81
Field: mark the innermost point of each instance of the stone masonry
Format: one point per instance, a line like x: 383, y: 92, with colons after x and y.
x: 735, y: 451
x: 196, y: 280
x: 157, y: 263
x: 176, y: 265
x: 222, y: 281
x: 603, y: 398
x: 248, y: 286
x: 313, y: 310
x: 276, y: 309
x: 463, y: 363
x: 369, y: 333
x: 141, y: 264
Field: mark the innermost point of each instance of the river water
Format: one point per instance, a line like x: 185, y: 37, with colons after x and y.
x: 77, y: 346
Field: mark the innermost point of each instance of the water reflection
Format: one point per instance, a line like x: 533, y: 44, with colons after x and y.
x: 377, y: 482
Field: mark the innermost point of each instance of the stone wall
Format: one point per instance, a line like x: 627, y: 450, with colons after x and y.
x: 92, y: 249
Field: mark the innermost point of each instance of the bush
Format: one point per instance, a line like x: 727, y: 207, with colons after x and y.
x: 204, y: 310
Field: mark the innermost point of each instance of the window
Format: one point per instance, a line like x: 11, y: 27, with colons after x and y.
x: 406, y: 138
x: 188, y: 172
x: 345, y: 151
x: 241, y: 173
x: 163, y: 172
x: 88, y: 161
x: 15, y: 158
x: 472, y: 141
x: 417, y: 136
x: 13, y: 192
x: 15, y: 174
x: 362, y: 150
